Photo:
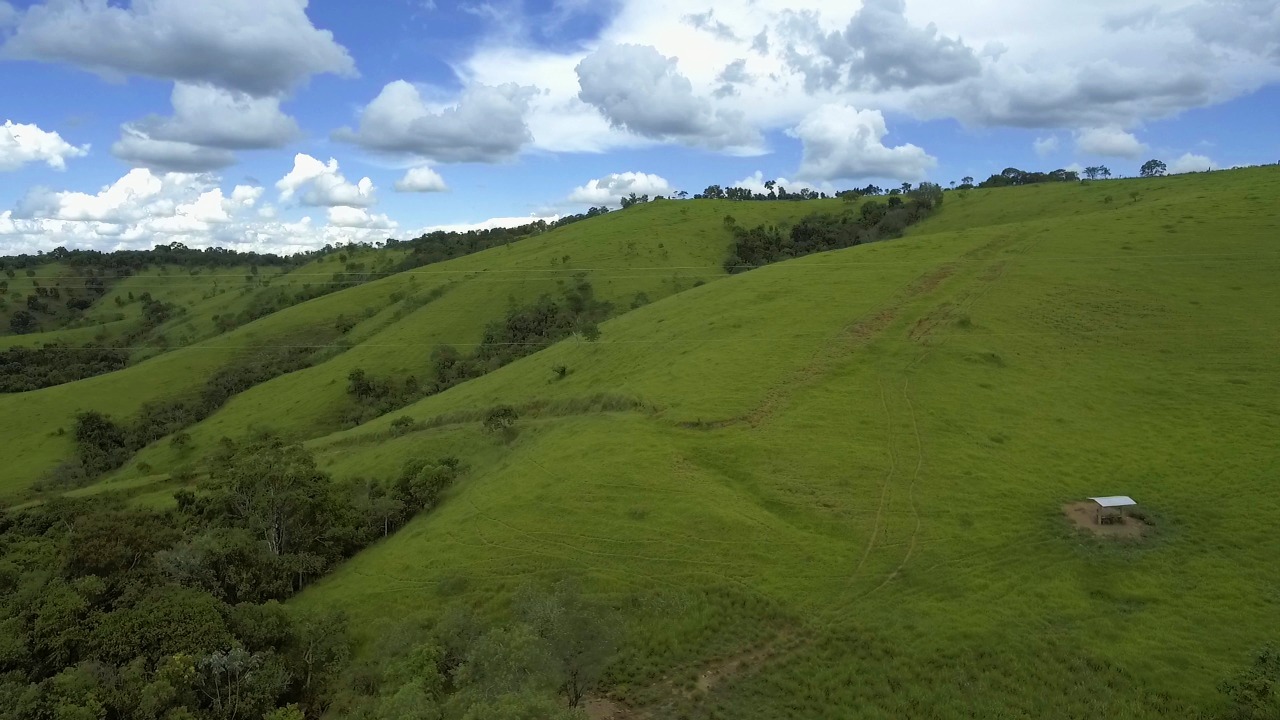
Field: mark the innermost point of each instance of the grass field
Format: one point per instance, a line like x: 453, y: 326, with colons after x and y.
x: 852, y: 476
x: 830, y: 487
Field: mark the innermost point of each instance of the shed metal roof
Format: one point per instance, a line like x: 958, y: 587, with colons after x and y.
x: 1115, y: 501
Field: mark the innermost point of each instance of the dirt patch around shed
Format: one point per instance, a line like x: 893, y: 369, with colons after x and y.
x: 1083, y: 515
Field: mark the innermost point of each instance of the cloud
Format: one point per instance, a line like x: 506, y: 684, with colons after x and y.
x: 878, y: 49
x: 638, y: 89
x: 706, y: 22
x: 214, y: 118
x: 486, y: 124
x: 1189, y: 163
x: 141, y: 150
x: 8, y: 15
x: 491, y: 223
x: 610, y: 188
x: 22, y: 144
x: 350, y: 217
x: 841, y: 142
x: 756, y: 184
x: 259, y: 47
x: 1109, y: 142
x: 421, y: 180
x: 317, y: 184
x: 1046, y: 146
x: 144, y: 208
x: 760, y: 43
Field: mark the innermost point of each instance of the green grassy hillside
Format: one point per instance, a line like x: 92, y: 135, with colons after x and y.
x: 842, y: 483
x: 656, y: 250
x: 828, y: 487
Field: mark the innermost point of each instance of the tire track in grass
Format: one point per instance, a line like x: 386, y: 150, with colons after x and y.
x: 884, y: 487
x: 911, y: 494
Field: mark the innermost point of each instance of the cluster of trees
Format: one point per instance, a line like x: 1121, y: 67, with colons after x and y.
x: 110, y: 612
x: 103, y: 444
x: 524, y: 331
x: 1013, y: 177
x: 24, y: 369
x: 774, y: 192
x: 47, y: 302
x: 125, y: 262
x: 557, y: 643
x: 765, y: 244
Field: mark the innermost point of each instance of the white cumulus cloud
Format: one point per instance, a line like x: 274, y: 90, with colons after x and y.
x: 323, y: 185
x: 756, y: 184
x: 1109, y: 142
x: 638, y: 89
x: 141, y: 150
x: 350, y: 217
x: 144, y: 208
x: 842, y: 142
x: 21, y: 144
x: 260, y: 47
x: 215, y: 118
x: 1190, y: 162
x: 1046, y: 146
x: 611, y: 188
x: 421, y: 180
x: 485, y: 124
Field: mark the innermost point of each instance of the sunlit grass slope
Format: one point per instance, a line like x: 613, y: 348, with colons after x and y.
x: 850, y: 467
x: 658, y: 249
x: 32, y: 420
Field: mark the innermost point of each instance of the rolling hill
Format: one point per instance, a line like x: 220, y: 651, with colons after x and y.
x: 830, y: 486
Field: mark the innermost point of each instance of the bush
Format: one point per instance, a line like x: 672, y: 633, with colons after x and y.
x: 402, y: 425
x: 501, y: 419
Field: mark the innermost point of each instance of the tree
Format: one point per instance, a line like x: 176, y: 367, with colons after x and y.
x: 578, y: 634
x: 966, y: 180
x: 319, y: 650
x: 906, y: 188
x: 1255, y: 692
x: 1153, y: 168
x: 275, y: 491
x: 928, y: 194
x: 1092, y: 172
x: 1104, y: 171
x: 238, y: 684
x: 22, y: 322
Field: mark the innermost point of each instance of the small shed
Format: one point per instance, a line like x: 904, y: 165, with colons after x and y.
x: 1111, y: 508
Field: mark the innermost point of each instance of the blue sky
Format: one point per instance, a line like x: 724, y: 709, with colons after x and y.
x: 228, y: 123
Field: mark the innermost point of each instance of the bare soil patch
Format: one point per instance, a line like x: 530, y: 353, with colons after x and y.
x: 602, y: 708
x: 1082, y: 515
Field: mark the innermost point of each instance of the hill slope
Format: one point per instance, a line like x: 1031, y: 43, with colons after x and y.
x: 656, y: 249
x: 840, y: 483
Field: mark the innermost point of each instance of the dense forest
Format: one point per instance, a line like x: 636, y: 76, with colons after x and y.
x: 765, y: 244
x: 110, y: 612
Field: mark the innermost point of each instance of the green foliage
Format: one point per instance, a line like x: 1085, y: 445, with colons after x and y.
x: 1153, y: 168
x: 174, y: 614
x: 580, y: 638
x: 1254, y: 693
x: 501, y: 419
x: 763, y: 245
x: 25, y: 369
x: 1014, y: 177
